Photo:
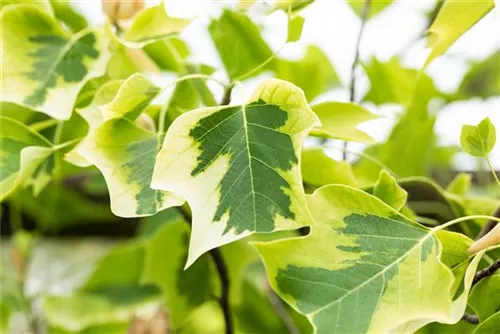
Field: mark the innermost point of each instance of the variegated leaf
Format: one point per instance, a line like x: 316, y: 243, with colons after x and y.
x: 364, y: 268
x: 153, y: 24
x: 22, y: 152
x: 123, y: 150
x: 238, y: 166
x: 45, y: 66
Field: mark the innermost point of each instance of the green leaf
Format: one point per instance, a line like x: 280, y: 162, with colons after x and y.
x: 489, y: 326
x: 239, y: 43
x: 46, y: 67
x: 482, y: 79
x: 460, y: 185
x: 295, y: 26
x: 364, y: 268
x: 393, y: 83
x: 313, y: 73
x: 454, y: 19
x: 428, y: 199
x: 319, y: 170
x: 478, y: 140
x: 168, y: 54
x: 238, y: 166
x: 340, y: 121
x: 462, y: 327
x: 23, y: 151
x: 375, y: 6
x: 59, y: 207
x: 291, y: 6
x: 387, y: 189
x: 82, y: 310
x: 64, y: 11
x: 481, y: 299
x: 152, y: 24
x: 166, y: 254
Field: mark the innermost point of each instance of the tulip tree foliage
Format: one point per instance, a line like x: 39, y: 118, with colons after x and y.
x: 246, y: 217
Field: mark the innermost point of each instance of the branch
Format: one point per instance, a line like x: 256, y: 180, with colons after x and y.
x: 472, y: 319
x: 486, y: 272
x: 223, y: 274
x: 489, y: 225
x: 364, y: 18
x: 226, y: 98
x: 352, y: 86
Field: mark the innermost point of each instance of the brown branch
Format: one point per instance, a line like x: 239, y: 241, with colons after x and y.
x: 223, y: 274
x: 226, y: 98
x: 352, y: 86
x: 489, y: 225
x: 486, y: 272
x: 472, y: 319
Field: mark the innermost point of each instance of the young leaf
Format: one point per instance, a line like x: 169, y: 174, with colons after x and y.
x: 482, y: 79
x: 153, y: 24
x: 319, y: 170
x: 340, y: 121
x: 454, y: 19
x: 375, y: 6
x: 364, y: 268
x: 238, y: 166
x: 489, y: 326
x: 239, y: 43
x: 393, y: 83
x: 460, y: 185
x: 64, y: 11
x: 295, y: 26
x: 481, y: 299
x: 23, y: 150
x: 46, y: 66
x: 388, y: 190
x: 291, y: 6
x: 478, y: 140
x: 313, y: 73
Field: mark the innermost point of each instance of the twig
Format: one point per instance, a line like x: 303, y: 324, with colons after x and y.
x: 472, y: 319
x: 352, y: 87
x: 486, y: 272
x: 223, y: 274
x: 226, y: 99
x: 489, y: 225
x: 281, y: 311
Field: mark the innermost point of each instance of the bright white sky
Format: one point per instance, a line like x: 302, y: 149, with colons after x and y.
x: 333, y: 26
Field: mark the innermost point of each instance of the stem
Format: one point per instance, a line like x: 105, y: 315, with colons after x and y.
x: 486, y: 272
x: 461, y: 219
x: 262, y: 65
x: 226, y: 99
x: 223, y: 274
x: 492, y: 171
x: 224, y: 279
x: 472, y: 319
x: 366, y: 156
x: 39, y: 126
x: 352, y: 86
x: 489, y: 225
